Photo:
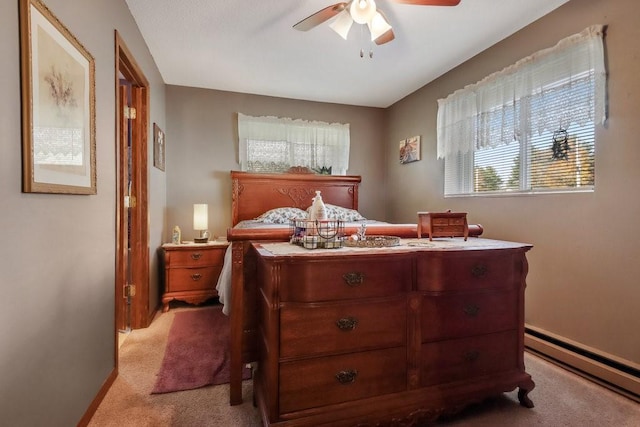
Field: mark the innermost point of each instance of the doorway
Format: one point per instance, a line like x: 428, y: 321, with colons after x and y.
x: 132, y: 251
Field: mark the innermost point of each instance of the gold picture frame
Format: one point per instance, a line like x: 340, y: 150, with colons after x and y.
x: 58, y: 106
x: 159, y: 145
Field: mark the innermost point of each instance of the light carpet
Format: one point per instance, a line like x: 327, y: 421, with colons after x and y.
x: 561, y: 398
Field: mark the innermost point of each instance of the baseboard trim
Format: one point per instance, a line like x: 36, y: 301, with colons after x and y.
x: 93, y: 407
x: 616, y: 374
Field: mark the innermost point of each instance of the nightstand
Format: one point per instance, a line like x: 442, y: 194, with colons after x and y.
x: 191, y: 271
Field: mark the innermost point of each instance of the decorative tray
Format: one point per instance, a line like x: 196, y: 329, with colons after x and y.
x: 373, y: 242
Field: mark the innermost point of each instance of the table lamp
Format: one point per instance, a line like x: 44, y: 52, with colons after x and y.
x: 201, y: 222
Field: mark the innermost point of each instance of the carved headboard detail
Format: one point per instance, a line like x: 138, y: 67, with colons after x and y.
x: 300, y: 196
x: 256, y: 193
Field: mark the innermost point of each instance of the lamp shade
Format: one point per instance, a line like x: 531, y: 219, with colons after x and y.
x: 378, y: 26
x: 342, y: 24
x: 200, y: 216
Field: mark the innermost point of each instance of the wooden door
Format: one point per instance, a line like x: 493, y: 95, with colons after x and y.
x: 132, y: 259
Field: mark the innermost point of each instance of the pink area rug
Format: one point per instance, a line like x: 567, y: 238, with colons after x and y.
x: 197, y: 352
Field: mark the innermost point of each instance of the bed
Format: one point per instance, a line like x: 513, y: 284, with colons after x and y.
x: 254, y: 194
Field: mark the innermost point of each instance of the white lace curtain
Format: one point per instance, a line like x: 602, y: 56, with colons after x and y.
x: 497, y: 109
x: 274, y: 144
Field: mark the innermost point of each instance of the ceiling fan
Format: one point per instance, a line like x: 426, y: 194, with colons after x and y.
x: 362, y: 12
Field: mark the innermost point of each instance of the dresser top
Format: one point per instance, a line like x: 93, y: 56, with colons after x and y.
x: 191, y: 245
x: 406, y: 245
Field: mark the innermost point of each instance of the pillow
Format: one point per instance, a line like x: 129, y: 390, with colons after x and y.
x: 281, y: 215
x: 344, y: 214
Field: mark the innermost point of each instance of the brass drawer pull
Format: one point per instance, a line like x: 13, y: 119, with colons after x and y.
x: 471, y: 356
x: 196, y: 256
x: 347, y: 323
x: 353, y: 279
x: 347, y: 377
x: 479, y: 270
x: 471, y: 310
x: 196, y: 276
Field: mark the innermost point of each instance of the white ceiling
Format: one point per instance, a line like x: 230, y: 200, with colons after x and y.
x: 250, y: 46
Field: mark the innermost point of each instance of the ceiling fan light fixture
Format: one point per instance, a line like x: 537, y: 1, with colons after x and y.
x: 362, y: 11
x: 378, y: 26
x: 342, y: 24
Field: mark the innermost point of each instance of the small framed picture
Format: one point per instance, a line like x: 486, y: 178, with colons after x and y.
x: 158, y: 147
x: 410, y: 149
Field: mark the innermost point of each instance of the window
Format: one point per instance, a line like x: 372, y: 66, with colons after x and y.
x: 530, y: 127
x: 271, y: 144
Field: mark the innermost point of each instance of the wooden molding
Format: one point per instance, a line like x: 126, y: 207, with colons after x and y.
x: 93, y: 407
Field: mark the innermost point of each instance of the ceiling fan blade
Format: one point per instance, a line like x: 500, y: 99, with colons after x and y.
x: 429, y: 2
x: 385, y: 38
x: 320, y: 16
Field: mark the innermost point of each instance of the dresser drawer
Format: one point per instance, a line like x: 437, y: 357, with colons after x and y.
x: 329, y: 380
x: 192, y: 279
x: 332, y: 327
x: 470, y: 313
x: 461, y: 359
x: 466, y: 271
x: 350, y: 278
x: 195, y: 258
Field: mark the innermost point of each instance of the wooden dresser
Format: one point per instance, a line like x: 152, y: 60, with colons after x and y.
x: 191, y: 271
x: 393, y: 336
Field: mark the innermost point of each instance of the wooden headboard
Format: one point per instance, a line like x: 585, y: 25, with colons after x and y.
x: 256, y: 193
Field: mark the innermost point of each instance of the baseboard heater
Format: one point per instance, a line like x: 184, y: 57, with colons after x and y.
x: 619, y: 375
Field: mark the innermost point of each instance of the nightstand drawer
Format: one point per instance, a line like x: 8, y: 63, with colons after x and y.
x: 192, y: 279
x: 329, y: 328
x: 346, y: 279
x: 461, y: 359
x: 343, y: 378
x: 195, y: 258
x: 466, y: 314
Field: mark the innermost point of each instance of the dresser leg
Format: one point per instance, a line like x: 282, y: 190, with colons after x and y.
x: 523, y: 391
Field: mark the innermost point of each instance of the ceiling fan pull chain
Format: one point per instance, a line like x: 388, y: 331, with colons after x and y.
x: 361, y: 41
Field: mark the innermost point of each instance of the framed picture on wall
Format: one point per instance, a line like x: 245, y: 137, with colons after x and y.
x: 158, y: 147
x: 58, y: 106
x: 410, y: 149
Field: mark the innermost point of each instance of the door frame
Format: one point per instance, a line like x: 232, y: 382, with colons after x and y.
x: 126, y: 66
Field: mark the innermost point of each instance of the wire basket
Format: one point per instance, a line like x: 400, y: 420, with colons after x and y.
x: 317, y: 234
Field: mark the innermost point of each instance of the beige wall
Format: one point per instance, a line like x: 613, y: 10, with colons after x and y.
x: 202, y: 147
x: 58, y: 253
x: 58, y: 257
x: 583, y: 270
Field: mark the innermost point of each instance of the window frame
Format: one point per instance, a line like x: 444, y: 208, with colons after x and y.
x: 467, y: 118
